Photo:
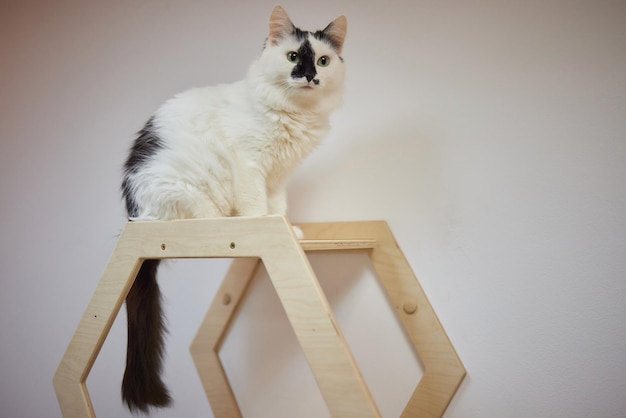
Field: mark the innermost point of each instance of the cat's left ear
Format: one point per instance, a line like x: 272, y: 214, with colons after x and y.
x: 280, y: 25
x: 336, y: 32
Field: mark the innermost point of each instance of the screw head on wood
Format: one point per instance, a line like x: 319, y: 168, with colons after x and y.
x: 409, y: 307
x: 226, y: 299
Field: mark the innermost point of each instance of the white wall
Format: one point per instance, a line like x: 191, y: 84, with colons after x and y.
x: 490, y: 135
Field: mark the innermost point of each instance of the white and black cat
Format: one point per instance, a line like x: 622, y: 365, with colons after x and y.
x: 225, y: 151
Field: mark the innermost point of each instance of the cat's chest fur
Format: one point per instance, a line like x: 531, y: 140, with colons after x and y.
x: 231, y: 121
x: 293, y: 137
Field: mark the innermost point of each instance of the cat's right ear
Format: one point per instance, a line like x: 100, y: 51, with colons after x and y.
x: 336, y: 32
x: 280, y: 25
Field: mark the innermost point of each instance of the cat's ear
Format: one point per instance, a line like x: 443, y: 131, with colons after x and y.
x: 280, y: 25
x: 336, y: 32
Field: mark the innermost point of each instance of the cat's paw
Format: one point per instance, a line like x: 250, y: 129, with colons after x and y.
x: 298, y: 232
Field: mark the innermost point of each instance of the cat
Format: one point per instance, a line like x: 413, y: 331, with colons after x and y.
x: 224, y: 150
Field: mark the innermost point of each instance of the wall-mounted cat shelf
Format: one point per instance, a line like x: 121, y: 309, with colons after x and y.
x: 269, y: 240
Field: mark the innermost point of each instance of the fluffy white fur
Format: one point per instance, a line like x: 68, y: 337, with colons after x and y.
x: 228, y: 149
x: 223, y: 151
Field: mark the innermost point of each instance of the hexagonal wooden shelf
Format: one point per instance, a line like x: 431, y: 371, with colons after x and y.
x: 269, y: 240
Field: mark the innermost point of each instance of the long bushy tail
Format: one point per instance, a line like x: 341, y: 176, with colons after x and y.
x: 142, y: 387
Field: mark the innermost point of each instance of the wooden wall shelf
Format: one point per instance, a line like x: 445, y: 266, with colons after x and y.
x: 269, y: 240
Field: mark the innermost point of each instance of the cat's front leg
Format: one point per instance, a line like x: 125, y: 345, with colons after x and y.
x: 277, y: 201
x: 277, y: 205
x: 250, y: 192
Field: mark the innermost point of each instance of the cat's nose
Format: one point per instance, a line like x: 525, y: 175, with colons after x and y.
x: 310, y: 75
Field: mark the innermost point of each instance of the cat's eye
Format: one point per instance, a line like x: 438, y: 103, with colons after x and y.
x: 323, y: 61
x: 293, y: 57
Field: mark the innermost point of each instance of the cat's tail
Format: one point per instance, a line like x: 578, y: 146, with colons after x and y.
x: 142, y: 387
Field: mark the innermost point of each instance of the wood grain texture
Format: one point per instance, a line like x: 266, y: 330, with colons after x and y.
x: 269, y: 240
x: 208, y: 340
x: 444, y: 371
x: 80, y: 355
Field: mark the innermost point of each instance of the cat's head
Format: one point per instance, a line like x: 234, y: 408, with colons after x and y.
x: 302, y: 69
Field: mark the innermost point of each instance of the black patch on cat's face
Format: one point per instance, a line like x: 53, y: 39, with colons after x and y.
x: 300, y: 34
x: 320, y: 35
x: 145, y: 146
x: 306, y: 65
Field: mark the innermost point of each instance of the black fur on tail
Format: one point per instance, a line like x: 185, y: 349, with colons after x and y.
x: 142, y: 387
